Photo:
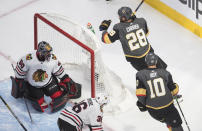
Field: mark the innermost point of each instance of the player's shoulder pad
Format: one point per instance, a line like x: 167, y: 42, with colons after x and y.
x: 29, y: 56
x: 54, y: 57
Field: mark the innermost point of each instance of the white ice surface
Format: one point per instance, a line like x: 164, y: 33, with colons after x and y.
x: 180, y: 48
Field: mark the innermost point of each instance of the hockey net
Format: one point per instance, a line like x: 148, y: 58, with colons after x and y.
x: 78, y: 49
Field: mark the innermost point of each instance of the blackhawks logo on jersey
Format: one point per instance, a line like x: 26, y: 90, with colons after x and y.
x: 29, y: 57
x: 54, y: 57
x: 39, y: 75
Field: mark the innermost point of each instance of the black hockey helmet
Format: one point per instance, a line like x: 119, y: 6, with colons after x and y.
x: 151, y: 59
x: 125, y: 13
x: 44, y: 50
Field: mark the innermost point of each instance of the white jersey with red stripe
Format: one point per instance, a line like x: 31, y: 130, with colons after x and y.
x: 87, y: 112
x: 38, y: 73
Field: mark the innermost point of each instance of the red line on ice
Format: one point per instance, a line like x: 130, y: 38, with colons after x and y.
x: 10, y: 60
x: 7, y: 58
x: 18, y: 8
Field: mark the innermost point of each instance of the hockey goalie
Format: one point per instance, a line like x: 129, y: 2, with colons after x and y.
x: 41, y: 73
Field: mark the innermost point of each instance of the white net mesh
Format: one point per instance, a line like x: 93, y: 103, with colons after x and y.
x: 77, y: 60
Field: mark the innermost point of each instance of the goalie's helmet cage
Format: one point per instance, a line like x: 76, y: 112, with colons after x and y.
x: 78, y: 49
x: 44, y: 50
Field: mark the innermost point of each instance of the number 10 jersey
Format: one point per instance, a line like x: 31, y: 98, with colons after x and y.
x: 155, y: 88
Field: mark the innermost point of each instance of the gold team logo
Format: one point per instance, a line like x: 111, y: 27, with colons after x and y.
x: 39, y: 75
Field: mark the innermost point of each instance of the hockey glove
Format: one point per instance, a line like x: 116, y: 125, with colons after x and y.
x: 177, y: 96
x: 105, y: 25
x: 141, y: 107
x: 65, y: 83
x: 70, y: 87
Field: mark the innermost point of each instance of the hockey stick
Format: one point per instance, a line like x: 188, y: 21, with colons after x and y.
x: 138, y: 6
x: 25, y: 101
x: 28, y: 109
x: 13, y: 113
x: 182, y: 113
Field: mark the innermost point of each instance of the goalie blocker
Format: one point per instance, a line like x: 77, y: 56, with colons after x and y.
x: 70, y: 90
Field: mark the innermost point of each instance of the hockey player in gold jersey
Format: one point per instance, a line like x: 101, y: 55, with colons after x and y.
x: 155, y: 90
x: 132, y: 33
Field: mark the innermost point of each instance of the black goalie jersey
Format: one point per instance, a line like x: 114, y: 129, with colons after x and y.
x: 132, y: 36
x: 155, y: 88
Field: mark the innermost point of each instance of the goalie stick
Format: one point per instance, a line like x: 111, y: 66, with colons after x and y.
x: 13, y: 113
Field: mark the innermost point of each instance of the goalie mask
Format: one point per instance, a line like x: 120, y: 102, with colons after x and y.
x: 125, y: 13
x: 102, y: 99
x: 44, y: 51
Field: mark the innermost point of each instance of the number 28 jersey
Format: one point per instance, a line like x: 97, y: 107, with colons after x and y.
x: 87, y: 112
x: 132, y: 36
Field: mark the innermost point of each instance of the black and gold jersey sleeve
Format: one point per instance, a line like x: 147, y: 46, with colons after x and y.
x: 110, y: 37
x: 140, y: 90
x: 173, y: 87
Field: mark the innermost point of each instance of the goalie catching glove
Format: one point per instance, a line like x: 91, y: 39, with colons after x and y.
x: 105, y: 25
x: 68, y: 85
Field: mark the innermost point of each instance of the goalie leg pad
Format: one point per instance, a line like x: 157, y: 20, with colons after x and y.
x: 18, y: 87
x: 39, y: 105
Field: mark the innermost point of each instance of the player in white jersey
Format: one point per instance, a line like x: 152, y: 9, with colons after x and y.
x: 88, y: 112
x: 38, y: 74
